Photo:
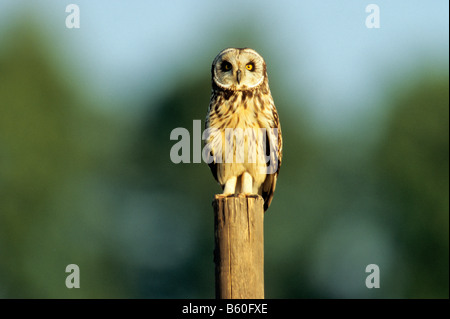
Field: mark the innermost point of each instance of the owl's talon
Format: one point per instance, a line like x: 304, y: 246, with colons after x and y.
x: 219, y: 196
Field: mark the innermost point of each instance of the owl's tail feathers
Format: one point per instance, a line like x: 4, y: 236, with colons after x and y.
x: 268, y: 189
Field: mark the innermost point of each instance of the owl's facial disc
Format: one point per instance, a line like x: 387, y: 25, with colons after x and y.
x: 238, y: 69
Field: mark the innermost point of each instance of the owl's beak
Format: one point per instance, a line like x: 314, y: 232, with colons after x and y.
x: 238, y: 76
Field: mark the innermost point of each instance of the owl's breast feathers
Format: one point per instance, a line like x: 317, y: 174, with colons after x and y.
x: 251, y: 109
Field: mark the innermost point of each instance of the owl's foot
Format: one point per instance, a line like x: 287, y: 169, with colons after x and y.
x: 230, y: 186
x: 247, y: 184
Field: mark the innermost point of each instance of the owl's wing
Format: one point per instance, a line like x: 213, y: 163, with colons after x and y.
x: 213, y: 167
x: 209, y: 141
x: 274, y: 149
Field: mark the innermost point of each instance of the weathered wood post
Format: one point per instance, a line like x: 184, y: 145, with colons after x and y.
x: 239, y: 246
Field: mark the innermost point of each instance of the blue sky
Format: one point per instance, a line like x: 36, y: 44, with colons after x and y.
x: 322, y: 49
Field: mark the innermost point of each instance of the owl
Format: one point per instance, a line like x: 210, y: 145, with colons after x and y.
x: 242, y: 125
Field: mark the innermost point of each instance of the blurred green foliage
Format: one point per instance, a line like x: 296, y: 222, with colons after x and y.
x: 85, y: 187
x: 414, y: 165
x: 52, y: 149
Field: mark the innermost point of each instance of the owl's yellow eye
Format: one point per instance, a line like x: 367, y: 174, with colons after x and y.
x: 250, y: 66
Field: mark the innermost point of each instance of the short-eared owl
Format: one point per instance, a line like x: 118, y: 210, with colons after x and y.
x: 243, y: 130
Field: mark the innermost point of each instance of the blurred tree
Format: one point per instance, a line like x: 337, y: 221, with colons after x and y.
x: 46, y: 163
x: 414, y: 158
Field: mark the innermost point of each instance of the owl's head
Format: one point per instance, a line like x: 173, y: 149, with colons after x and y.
x: 238, y: 69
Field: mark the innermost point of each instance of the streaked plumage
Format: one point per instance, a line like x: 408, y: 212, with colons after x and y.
x: 241, y: 99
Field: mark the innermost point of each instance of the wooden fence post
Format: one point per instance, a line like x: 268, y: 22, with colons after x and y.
x: 239, y: 246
